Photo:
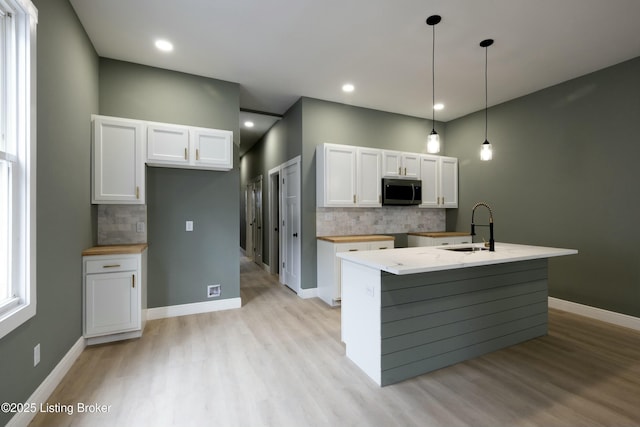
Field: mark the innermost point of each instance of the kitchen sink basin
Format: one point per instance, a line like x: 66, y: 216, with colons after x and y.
x: 466, y: 249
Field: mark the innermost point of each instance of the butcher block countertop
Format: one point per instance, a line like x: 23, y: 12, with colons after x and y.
x: 356, y: 238
x: 440, y: 233
x: 115, y: 249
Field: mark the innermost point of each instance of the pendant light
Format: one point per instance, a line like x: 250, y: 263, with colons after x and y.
x: 433, y: 140
x: 486, y: 152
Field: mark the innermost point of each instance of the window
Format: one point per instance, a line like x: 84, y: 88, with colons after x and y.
x: 17, y: 163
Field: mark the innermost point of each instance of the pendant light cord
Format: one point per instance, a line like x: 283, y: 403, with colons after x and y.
x: 486, y: 92
x: 433, y: 79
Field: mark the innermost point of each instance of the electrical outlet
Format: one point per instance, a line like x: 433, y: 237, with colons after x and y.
x: 140, y: 227
x: 189, y: 226
x: 213, y: 291
x: 36, y: 355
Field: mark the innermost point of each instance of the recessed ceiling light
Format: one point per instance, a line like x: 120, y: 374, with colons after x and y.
x: 438, y: 106
x: 248, y: 124
x: 164, y: 45
x: 348, y: 87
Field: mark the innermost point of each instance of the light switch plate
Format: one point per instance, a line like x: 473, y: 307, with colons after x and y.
x: 189, y: 226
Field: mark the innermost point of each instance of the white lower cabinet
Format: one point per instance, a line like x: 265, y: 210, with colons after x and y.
x: 417, y: 240
x: 330, y: 266
x: 115, y: 296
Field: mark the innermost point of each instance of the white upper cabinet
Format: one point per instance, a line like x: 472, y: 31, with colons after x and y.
x: 397, y: 164
x: 167, y: 144
x: 439, y: 177
x: 430, y: 181
x: 189, y: 147
x: 349, y: 176
x: 449, y: 182
x: 213, y: 149
x: 335, y: 175
x: 369, y: 177
x: 117, y: 161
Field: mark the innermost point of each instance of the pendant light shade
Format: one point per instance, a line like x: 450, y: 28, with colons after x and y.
x: 486, y: 151
x: 433, y: 140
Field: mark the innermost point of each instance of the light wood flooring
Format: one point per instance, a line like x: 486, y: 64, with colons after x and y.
x: 278, y: 361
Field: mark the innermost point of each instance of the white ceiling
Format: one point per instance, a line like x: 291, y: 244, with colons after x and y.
x: 279, y: 50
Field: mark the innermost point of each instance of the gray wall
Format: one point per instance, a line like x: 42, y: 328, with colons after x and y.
x: 67, y: 95
x: 182, y: 263
x: 564, y: 173
x: 329, y: 122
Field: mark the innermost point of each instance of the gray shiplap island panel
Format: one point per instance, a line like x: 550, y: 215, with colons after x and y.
x: 436, y: 319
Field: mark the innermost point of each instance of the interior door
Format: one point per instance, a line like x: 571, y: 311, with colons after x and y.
x: 257, y: 221
x: 290, y: 236
x: 248, y: 194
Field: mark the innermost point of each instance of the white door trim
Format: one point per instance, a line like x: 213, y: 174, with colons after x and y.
x: 281, y: 202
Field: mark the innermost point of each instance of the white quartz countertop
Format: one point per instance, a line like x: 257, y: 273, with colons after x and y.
x: 435, y: 258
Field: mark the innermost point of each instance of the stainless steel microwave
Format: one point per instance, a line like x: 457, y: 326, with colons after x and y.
x: 401, y: 192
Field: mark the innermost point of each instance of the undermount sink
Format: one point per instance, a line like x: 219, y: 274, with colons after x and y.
x: 466, y: 249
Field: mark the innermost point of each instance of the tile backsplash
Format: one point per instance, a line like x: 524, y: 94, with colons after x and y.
x: 117, y: 224
x: 389, y: 219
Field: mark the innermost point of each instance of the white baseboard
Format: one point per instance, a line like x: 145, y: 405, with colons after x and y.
x: 308, y: 293
x: 612, y: 317
x: 49, y: 384
x: 194, y: 308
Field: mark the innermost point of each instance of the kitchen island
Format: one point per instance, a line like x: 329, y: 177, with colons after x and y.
x: 409, y: 311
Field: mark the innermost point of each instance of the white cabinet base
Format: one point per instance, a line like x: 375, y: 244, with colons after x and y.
x: 330, y: 266
x: 114, y: 296
x: 114, y: 337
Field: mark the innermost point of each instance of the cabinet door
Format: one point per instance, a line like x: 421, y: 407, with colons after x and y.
x: 411, y: 166
x: 167, y: 145
x: 392, y: 164
x: 449, y: 182
x: 345, y: 247
x: 112, y: 303
x: 213, y: 149
x: 369, y: 178
x: 118, y: 161
x: 430, y: 181
x: 340, y: 175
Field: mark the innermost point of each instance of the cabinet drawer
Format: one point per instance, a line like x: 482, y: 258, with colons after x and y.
x: 382, y: 245
x: 351, y: 247
x: 111, y: 265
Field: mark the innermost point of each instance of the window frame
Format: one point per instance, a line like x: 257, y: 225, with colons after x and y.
x: 18, y: 98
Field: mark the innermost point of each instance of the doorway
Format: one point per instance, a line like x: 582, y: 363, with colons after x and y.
x: 253, y: 195
x: 274, y: 221
x: 284, y: 234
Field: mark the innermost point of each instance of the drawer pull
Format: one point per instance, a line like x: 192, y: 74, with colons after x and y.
x: 384, y: 247
x: 353, y: 250
x: 197, y: 154
x: 185, y: 154
x: 111, y: 266
x: 133, y: 280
